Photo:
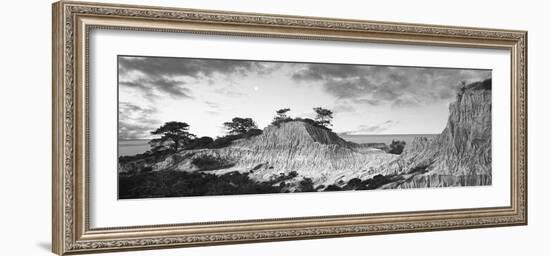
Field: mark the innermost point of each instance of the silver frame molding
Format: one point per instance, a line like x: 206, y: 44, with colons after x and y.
x: 72, y: 22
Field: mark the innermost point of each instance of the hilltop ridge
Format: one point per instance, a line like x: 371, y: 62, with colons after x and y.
x: 309, y: 151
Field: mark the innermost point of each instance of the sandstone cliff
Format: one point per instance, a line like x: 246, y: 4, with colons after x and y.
x: 310, y: 151
x: 460, y: 155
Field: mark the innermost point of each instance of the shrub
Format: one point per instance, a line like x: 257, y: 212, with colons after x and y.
x: 481, y: 85
x: 278, y: 122
x: 396, y: 147
x: 353, y: 184
x: 222, y: 142
x: 309, y: 121
x: 281, y: 116
x: 208, y: 163
x: 358, y: 184
x: 199, y: 143
x: 376, y: 181
x: 306, y: 185
x: 225, y: 141
x: 252, y: 132
x: 283, y: 177
x: 333, y: 188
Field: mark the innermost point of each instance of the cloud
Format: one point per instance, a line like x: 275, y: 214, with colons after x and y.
x: 343, y: 107
x: 135, y: 122
x: 229, y: 92
x: 211, y: 104
x: 396, y: 86
x: 213, y: 113
x: 196, y: 68
x: 156, y: 87
x: 369, y: 129
x: 372, y: 102
x: 159, y: 76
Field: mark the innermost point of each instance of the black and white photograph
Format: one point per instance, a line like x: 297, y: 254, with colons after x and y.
x: 202, y: 127
x: 246, y: 128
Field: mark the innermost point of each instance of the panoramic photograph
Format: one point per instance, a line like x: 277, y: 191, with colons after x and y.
x: 206, y: 127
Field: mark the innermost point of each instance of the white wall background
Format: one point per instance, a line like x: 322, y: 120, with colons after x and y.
x: 25, y: 102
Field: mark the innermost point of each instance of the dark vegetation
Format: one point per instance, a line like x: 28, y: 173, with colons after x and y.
x: 299, y: 119
x: 281, y: 116
x: 202, y: 142
x: 177, y: 184
x: 322, y: 120
x: 358, y: 184
x: 283, y: 177
x: 323, y: 117
x: 239, y: 125
x: 482, y: 85
x: 209, y: 163
x: 396, y: 147
x: 226, y: 140
x: 175, y: 136
x: 305, y: 185
x: 147, y: 184
x: 376, y: 181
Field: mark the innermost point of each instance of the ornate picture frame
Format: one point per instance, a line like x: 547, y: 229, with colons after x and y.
x: 72, y: 23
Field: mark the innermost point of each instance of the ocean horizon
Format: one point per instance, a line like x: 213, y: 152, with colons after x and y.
x: 383, y: 138
x: 134, y: 147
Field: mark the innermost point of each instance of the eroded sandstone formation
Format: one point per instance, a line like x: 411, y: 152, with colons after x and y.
x: 312, y: 152
x: 459, y: 156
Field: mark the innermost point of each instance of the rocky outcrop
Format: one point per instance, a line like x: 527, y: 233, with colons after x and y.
x: 461, y: 154
x: 296, y: 146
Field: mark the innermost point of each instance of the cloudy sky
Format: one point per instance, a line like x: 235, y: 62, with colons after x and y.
x: 207, y: 92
